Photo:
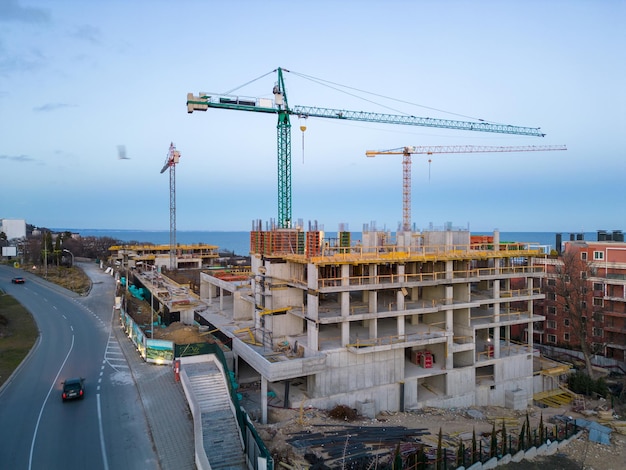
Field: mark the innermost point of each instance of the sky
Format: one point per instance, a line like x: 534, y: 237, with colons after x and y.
x: 78, y: 78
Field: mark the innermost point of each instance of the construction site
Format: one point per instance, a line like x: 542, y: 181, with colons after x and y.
x: 387, y: 321
x: 377, y: 321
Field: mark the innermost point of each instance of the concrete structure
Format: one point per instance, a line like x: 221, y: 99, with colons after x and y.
x: 187, y: 256
x: 390, y: 322
x: 13, y: 228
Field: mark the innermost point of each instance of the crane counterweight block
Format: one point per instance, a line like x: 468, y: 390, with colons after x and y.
x: 196, y: 103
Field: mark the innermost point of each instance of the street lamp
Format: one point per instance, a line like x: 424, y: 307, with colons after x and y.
x: 152, y: 303
x: 68, y: 251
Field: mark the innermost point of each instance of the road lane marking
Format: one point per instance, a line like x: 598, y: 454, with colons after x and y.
x: 102, y: 446
x: 32, y: 444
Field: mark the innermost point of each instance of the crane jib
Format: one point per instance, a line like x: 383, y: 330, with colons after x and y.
x: 268, y: 107
x: 414, y: 121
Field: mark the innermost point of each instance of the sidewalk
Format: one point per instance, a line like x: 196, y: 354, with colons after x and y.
x: 165, y: 407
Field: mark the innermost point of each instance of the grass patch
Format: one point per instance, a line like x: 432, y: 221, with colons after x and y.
x: 18, y: 333
x: 73, y: 278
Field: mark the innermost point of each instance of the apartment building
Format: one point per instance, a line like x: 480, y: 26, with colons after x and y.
x: 602, y: 266
x: 386, y: 322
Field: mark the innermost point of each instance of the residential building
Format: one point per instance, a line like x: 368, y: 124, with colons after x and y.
x: 602, y: 266
x: 13, y: 228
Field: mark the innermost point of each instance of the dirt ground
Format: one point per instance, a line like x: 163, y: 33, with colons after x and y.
x: 291, y: 434
x: 177, y: 332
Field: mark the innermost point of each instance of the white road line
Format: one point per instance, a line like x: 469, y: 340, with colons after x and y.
x: 102, y: 446
x: 32, y: 444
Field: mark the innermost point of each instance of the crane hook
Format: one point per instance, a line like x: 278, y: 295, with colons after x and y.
x: 303, y: 129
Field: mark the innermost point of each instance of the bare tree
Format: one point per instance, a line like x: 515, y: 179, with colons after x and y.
x: 572, y: 299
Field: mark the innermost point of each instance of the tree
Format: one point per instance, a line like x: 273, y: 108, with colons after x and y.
x: 439, y: 464
x: 571, y: 290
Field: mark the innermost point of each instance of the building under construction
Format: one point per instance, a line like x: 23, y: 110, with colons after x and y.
x: 385, y: 322
x: 194, y: 256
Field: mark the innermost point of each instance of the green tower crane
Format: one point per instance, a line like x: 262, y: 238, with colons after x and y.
x: 280, y: 106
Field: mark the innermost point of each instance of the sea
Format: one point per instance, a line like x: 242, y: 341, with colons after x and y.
x: 239, y: 242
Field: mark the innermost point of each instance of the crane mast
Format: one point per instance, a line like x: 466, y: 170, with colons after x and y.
x: 171, y: 160
x: 406, y: 153
x: 280, y: 106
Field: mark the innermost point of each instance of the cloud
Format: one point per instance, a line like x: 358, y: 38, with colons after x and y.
x: 87, y: 33
x: 17, y: 158
x: 53, y: 107
x: 10, y: 10
x: 20, y: 64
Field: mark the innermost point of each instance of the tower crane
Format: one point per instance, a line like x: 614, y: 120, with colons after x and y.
x: 280, y: 106
x: 406, y: 153
x: 171, y: 160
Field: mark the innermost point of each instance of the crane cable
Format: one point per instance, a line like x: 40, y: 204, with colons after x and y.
x: 248, y: 83
x: 327, y: 83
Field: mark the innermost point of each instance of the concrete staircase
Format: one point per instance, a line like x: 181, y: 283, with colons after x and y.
x: 220, y: 431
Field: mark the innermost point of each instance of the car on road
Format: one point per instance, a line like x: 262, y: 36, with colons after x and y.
x: 73, y: 389
x: 18, y: 280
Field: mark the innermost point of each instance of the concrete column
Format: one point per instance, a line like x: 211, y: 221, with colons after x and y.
x: 221, y: 298
x: 531, y: 312
x: 400, y: 300
x: 496, y: 295
x: 496, y: 343
x: 400, y: 293
x: 373, y: 301
x: 449, y: 290
x: 400, y: 325
x: 373, y: 328
x: 263, y: 400
x: 312, y: 335
x: 345, y: 334
x: 312, y: 308
x: 345, y: 274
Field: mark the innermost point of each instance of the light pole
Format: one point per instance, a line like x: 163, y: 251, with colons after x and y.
x: 152, y: 303
x: 71, y: 254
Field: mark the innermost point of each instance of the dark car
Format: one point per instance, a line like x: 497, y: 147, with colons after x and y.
x: 73, y: 389
x: 18, y: 280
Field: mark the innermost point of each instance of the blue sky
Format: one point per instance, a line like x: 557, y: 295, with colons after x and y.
x: 79, y: 78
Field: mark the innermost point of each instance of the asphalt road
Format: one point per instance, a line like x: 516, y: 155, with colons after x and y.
x: 105, y: 430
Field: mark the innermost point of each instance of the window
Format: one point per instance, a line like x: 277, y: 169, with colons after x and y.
x: 597, y: 255
x: 551, y: 296
x: 552, y: 282
x: 566, y: 321
x: 598, y: 302
x: 552, y: 324
x: 566, y: 337
x: 598, y: 286
x: 598, y: 332
x: 583, y: 274
x: 551, y: 339
x: 598, y: 317
x: 583, y: 255
x: 552, y: 310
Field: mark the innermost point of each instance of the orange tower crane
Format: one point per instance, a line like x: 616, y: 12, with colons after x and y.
x: 406, y: 153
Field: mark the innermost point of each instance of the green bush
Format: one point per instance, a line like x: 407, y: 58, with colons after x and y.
x: 580, y: 382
